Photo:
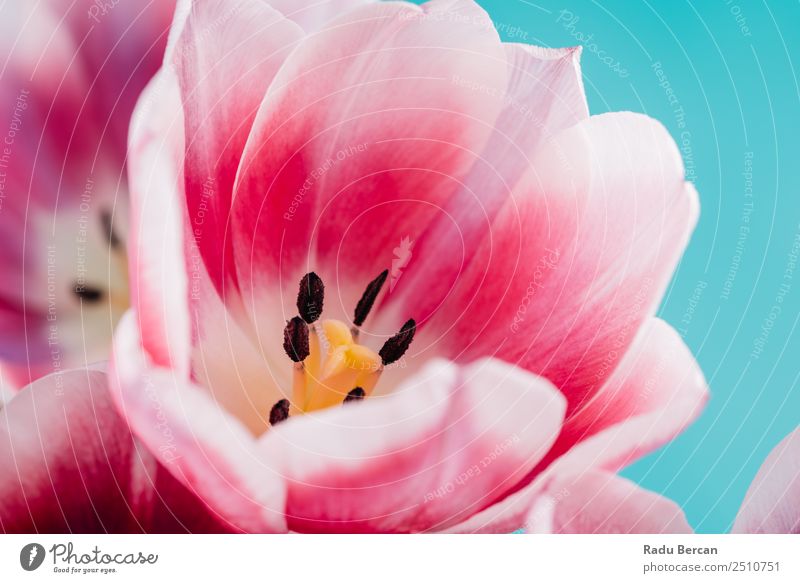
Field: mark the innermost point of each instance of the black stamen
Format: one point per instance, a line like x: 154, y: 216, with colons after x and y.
x: 396, y: 346
x: 310, y: 297
x: 87, y: 293
x: 279, y: 412
x: 107, y: 224
x: 368, y: 299
x: 295, y: 339
x: 355, y: 395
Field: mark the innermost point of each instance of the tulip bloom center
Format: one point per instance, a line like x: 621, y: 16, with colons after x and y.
x: 330, y: 366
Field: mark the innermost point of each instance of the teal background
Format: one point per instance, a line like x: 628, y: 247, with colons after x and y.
x: 740, y: 96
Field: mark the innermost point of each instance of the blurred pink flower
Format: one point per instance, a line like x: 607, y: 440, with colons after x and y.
x: 72, y: 465
x: 71, y: 74
x: 287, y: 142
x: 772, y: 504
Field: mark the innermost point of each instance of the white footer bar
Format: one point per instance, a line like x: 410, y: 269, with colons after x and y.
x: 415, y: 559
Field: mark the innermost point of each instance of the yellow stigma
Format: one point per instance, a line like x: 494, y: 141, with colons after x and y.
x: 334, y: 367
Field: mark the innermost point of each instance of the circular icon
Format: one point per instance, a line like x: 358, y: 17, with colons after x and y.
x: 31, y: 556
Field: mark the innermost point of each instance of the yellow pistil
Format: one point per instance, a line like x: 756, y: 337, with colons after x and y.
x: 334, y: 368
x: 371, y: 379
x: 312, y: 363
x: 346, y: 365
x: 337, y: 333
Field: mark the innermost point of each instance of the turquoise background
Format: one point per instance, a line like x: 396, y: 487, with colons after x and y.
x: 732, y: 66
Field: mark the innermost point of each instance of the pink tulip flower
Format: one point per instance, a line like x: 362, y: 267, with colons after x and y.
x: 388, y: 275
x: 71, y: 73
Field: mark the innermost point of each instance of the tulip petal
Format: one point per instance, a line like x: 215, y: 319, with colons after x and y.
x: 544, y: 96
x: 212, y: 451
x: 312, y: 15
x: 171, y: 288
x: 642, y: 384
x: 443, y: 446
x: 597, y: 502
x: 71, y: 465
x: 574, y: 262
x: 243, y: 376
x: 159, y: 282
x: 664, y: 390
x: 772, y: 503
x: 361, y: 138
x: 226, y: 55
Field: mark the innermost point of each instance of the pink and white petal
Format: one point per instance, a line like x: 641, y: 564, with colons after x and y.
x: 545, y: 95
x: 158, y: 272
x: 657, y: 372
x: 71, y: 465
x: 226, y: 56
x: 616, y: 446
x: 598, y: 502
x: 218, y: 354
x: 210, y: 451
x: 312, y: 15
x: 666, y: 399
x: 360, y: 140
x: 246, y: 379
x: 442, y: 447
x: 575, y: 261
x: 772, y: 503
